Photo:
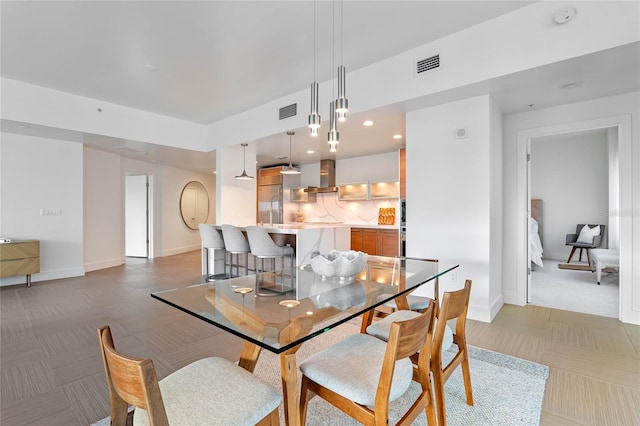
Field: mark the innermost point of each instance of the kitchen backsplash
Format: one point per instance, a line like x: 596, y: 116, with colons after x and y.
x: 328, y: 208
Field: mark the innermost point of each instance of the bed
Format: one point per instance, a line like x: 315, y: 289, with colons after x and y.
x: 535, y: 223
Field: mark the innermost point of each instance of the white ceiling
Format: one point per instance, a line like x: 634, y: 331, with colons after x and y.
x: 218, y: 58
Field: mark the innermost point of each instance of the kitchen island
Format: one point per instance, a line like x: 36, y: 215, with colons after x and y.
x: 305, y: 238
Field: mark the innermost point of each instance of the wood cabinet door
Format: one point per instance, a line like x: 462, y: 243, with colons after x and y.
x: 356, y: 239
x: 370, y: 241
x: 389, y: 242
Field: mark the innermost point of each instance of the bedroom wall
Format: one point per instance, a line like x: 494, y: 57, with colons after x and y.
x: 569, y: 173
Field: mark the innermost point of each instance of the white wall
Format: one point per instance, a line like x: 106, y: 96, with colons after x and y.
x: 236, y: 199
x: 176, y: 236
x: 451, y: 194
x: 38, y: 173
x: 569, y: 174
x: 622, y: 111
x: 102, y: 205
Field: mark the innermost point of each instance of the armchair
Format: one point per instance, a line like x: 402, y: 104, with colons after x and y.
x: 583, y: 239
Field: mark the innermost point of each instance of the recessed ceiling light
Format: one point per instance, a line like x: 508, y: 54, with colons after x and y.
x: 150, y: 68
x: 397, y: 136
x: 23, y: 126
x: 311, y: 151
x: 572, y: 85
x: 368, y: 123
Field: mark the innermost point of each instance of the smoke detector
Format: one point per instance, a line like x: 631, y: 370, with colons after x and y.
x: 564, y: 15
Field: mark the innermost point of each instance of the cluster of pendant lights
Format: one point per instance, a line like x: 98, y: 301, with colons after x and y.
x: 339, y: 107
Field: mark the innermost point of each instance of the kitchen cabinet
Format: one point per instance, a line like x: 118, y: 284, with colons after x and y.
x: 376, y: 242
x: 386, y: 189
x: 298, y: 195
x: 353, y: 192
x: 369, y: 191
x: 403, y: 174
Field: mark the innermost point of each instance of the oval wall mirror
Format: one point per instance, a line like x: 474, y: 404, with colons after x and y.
x: 194, y: 204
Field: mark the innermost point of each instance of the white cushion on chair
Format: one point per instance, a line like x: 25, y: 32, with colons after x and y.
x: 587, y: 234
x: 214, y: 391
x: 352, y: 369
x: 415, y: 302
x: 382, y: 328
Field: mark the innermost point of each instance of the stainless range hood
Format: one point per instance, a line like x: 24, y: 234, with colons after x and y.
x: 327, y: 178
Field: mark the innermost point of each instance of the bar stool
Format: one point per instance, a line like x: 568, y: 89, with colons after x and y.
x: 263, y: 247
x: 211, y: 240
x: 236, y: 243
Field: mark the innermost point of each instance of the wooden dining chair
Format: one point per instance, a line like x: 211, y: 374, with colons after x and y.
x: 454, y: 306
x: 362, y: 371
x: 208, y: 391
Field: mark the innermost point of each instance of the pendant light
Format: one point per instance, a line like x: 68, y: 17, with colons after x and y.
x: 244, y: 175
x: 290, y: 170
x: 333, y: 137
x: 341, y: 103
x: 314, y: 117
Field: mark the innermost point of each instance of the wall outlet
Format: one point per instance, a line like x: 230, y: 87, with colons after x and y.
x: 50, y: 212
x: 454, y: 277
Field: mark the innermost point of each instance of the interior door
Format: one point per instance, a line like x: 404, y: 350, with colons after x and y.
x: 137, y: 216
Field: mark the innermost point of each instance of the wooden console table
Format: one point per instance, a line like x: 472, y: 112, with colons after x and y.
x: 20, y: 257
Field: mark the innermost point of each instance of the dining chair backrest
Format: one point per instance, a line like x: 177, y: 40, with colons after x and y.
x: 405, y: 339
x: 234, y: 240
x: 211, y: 238
x: 455, y: 305
x: 131, y: 381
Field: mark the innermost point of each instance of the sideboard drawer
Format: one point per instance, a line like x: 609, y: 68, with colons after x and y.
x: 20, y: 258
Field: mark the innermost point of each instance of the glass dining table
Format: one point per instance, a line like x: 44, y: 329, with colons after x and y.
x: 280, y: 310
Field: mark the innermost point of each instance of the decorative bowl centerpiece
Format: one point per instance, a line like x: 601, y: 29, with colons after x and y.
x: 341, y: 264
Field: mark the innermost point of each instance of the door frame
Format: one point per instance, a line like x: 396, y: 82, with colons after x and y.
x: 623, y: 124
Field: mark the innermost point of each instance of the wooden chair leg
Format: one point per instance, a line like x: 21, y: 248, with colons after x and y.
x: 573, y: 250
x: 588, y: 257
x: 580, y: 254
x: 466, y: 376
x: 438, y: 390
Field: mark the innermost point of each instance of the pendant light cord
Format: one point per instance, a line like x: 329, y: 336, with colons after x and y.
x: 341, y: 33
x: 333, y: 47
x: 314, y: 40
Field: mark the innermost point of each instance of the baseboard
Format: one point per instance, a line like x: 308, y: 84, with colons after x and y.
x: 180, y: 250
x: 103, y: 264
x: 44, y: 276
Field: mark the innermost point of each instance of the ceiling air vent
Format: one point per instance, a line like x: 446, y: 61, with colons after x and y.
x: 288, y: 111
x: 424, y: 65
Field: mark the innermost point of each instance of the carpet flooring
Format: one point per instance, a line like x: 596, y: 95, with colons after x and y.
x: 575, y: 290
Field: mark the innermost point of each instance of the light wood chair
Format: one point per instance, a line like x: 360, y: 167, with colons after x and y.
x: 454, y: 306
x: 416, y: 303
x: 208, y: 391
x: 362, y: 371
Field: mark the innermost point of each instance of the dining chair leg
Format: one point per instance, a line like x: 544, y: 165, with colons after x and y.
x: 466, y: 374
x: 438, y: 390
x: 573, y: 250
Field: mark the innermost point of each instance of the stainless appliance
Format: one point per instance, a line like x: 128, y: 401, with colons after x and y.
x: 327, y: 178
x: 270, y: 203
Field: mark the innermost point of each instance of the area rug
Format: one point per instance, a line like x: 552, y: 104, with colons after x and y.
x: 506, y: 390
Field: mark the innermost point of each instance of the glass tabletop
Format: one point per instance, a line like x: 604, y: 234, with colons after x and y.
x: 282, y: 309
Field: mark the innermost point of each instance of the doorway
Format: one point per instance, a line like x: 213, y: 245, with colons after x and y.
x: 573, y: 179
x: 137, y: 216
x: 622, y: 123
